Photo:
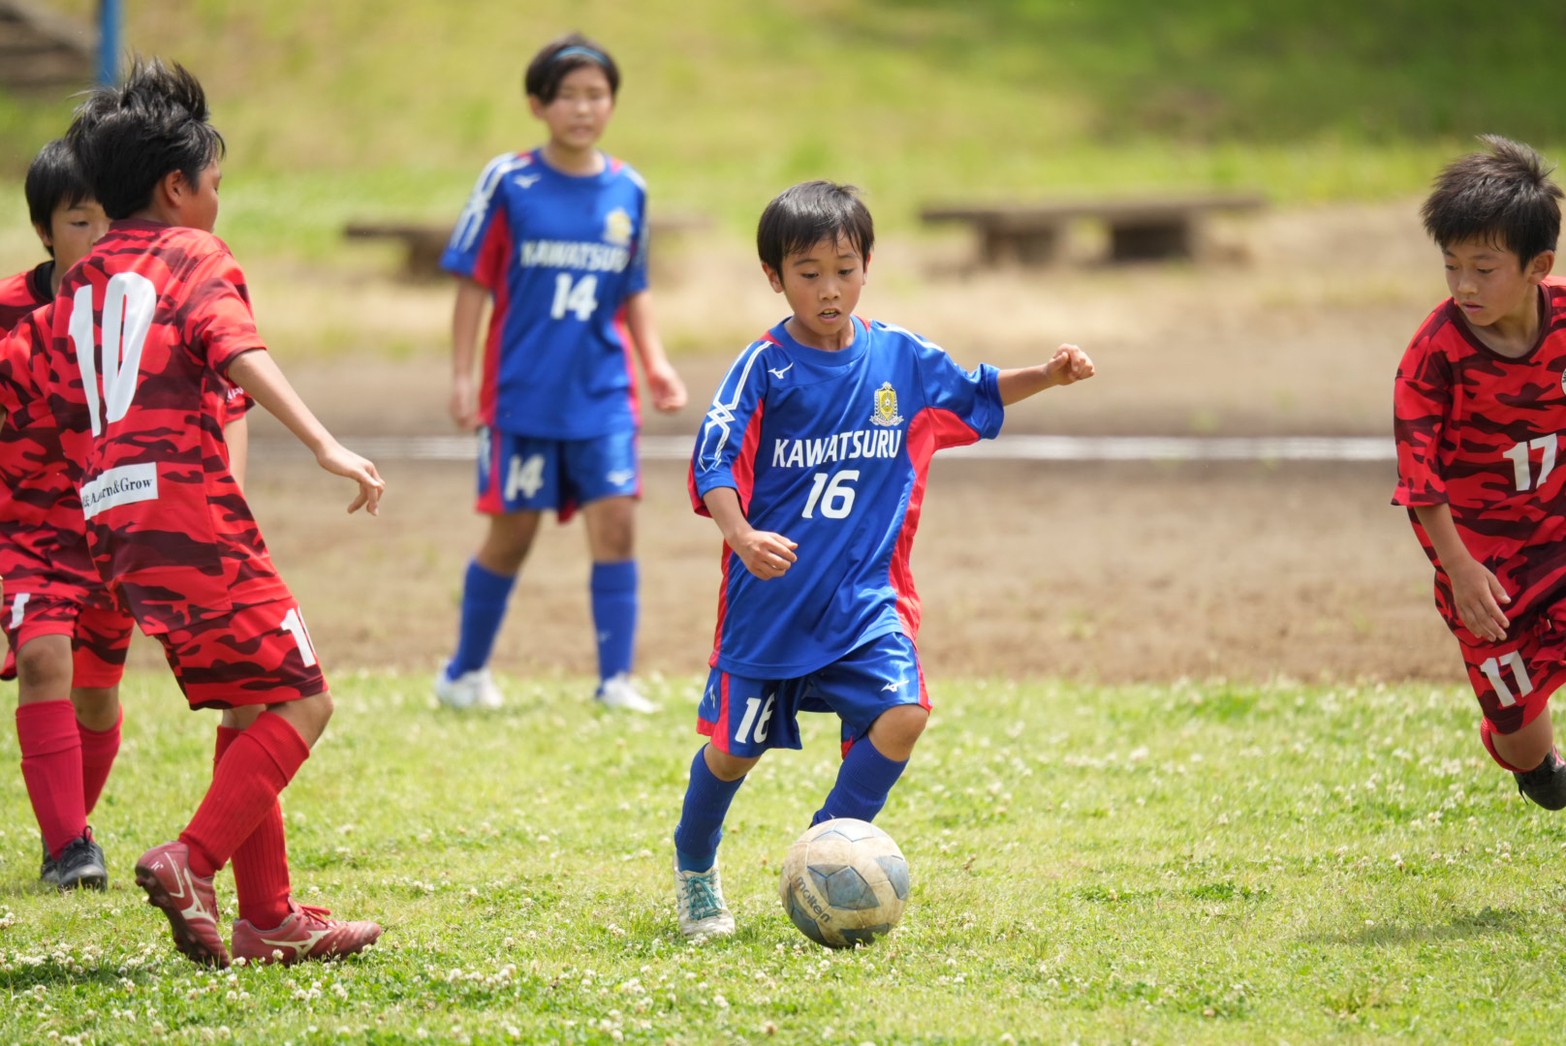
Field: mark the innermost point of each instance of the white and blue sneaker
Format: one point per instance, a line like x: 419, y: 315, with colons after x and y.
x: 698, y: 896
x: 620, y: 693
x: 475, y: 689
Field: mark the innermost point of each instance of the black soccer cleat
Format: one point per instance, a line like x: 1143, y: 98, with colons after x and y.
x: 49, y: 871
x: 1545, y: 784
x: 81, y: 866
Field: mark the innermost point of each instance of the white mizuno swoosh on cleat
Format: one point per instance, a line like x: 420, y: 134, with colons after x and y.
x: 300, y: 947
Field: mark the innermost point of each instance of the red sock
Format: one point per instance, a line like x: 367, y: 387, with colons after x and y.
x: 261, y: 862
x: 99, y: 747
x: 257, y: 765
x: 52, y: 769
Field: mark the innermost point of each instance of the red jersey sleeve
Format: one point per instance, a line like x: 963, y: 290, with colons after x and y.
x: 22, y: 293
x: 1421, y: 407
x: 24, y: 368
x: 14, y: 351
x: 217, y: 312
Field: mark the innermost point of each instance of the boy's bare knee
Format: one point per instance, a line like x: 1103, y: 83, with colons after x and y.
x: 97, y: 708
x: 44, y: 669
x: 308, y: 715
x: 1528, y: 746
x: 897, y: 730
x: 508, y: 541
x: 240, y: 718
x: 726, y: 767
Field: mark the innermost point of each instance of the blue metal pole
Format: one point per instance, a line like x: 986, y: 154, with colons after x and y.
x: 108, y: 42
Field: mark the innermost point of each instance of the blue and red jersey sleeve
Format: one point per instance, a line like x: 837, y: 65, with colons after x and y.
x: 479, y: 247
x: 725, y: 454
x: 966, y: 404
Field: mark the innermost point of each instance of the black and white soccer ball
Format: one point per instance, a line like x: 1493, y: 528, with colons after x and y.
x: 844, y: 883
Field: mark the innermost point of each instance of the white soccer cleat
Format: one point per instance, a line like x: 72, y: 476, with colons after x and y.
x: 618, y: 692
x: 699, y: 898
x: 475, y: 689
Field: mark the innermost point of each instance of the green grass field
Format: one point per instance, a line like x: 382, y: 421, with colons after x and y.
x: 1172, y: 864
x: 1185, y: 863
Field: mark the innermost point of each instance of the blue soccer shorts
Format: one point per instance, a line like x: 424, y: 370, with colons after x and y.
x: 744, y: 717
x: 526, y: 474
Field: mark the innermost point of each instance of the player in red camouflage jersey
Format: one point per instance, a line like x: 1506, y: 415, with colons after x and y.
x: 1479, y: 415
x: 67, y: 638
x: 147, y: 333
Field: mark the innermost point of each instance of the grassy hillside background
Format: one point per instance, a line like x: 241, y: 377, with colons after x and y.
x: 337, y: 110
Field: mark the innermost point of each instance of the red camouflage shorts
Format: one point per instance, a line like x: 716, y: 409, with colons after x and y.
x: 255, y: 655
x: 1515, y: 678
x: 99, y: 628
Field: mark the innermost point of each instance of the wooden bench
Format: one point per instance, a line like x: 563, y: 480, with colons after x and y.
x: 41, y: 51
x: 425, y: 242
x: 1153, y: 228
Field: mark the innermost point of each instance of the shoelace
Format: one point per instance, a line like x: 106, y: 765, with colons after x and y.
x: 314, y: 914
x: 701, y: 897
x: 76, y: 852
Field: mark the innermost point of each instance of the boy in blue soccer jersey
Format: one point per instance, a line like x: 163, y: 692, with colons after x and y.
x: 557, y: 237
x: 812, y: 461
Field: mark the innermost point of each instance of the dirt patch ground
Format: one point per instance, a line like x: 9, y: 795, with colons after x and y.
x: 1097, y: 571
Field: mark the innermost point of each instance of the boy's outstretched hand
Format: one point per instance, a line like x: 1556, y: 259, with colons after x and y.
x: 668, y: 391
x: 339, y: 460
x: 1069, y: 364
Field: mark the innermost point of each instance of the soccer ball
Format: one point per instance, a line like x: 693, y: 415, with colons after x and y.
x: 844, y: 883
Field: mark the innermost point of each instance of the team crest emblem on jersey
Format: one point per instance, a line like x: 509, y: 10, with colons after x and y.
x: 885, y: 413
x: 617, y: 228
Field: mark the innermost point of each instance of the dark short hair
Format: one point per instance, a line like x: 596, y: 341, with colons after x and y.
x: 803, y: 215
x: 1503, y: 196
x: 54, y: 177
x: 128, y: 137
x: 559, y: 57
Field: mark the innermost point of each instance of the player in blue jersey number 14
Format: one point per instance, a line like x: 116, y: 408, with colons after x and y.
x: 555, y: 238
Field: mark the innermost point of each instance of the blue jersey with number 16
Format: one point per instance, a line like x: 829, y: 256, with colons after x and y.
x: 831, y: 450
x: 560, y: 254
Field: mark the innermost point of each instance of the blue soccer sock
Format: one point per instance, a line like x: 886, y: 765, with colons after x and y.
x: 614, y: 588
x: 864, y: 780
x: 484, y: 598
x: 700, y: 830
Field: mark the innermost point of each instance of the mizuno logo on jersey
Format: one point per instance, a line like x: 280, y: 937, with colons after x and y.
x: 894, y: 687
x: 778, y: 372
x: 526, y: 181
x: 843, y: 446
